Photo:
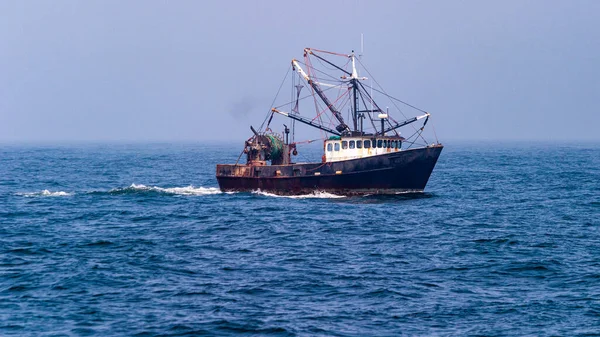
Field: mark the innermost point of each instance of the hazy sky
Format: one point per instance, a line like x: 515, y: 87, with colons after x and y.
x: 199, y: 70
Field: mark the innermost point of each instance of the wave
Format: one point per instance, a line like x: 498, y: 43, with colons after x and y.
x: 313, y: 195
x: 46, y: 193
x: 188, y: 190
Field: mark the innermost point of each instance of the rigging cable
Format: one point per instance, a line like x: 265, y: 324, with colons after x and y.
x: 327, y: 108
x: 369, y: 114
x: 401, y: 101
x: 274, y: 99
x: 435, y: 134
x: 391, y: 97
x: 304, y: 97
x: 386, y: 94
x: 328, y: 68
x: 312, y: 89
x: 328, y: 52
x: 319, y: 71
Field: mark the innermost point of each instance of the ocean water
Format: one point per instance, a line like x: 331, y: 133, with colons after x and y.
x: 137, y: 240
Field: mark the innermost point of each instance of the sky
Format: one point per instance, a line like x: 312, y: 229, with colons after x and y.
x: 175, y: 71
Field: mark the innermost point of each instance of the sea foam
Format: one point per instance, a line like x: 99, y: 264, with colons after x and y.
x: 45, y: 193
x: 188, y: 190
x: 313, y: 195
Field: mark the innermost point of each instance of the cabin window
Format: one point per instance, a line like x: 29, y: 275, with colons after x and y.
x: 344, y: 144
x: 352, y: 144
x: 396, y: 144
x: 359, y: 144
x: 329, y: 147
x: 400, y: 144
x: 379, y: 143
x: 336, y: 146
x: 367, y: 144
x: 385, y: 143
x: 390, y: 143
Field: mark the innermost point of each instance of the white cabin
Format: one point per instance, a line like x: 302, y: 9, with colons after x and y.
x: 344, y: 148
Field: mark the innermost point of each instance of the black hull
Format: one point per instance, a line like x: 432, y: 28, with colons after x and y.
x: 391, y: 173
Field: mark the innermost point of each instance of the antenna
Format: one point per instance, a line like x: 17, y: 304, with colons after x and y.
x: 362, y: 45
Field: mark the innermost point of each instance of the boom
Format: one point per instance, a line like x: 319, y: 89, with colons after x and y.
x: 306, y: 121
x: 406, y: 122
x: 342, y: 127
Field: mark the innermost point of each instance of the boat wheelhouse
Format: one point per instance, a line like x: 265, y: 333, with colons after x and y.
x: 343, y: 148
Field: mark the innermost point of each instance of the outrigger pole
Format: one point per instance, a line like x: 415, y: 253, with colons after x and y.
x: 326, y: 129
x: 306, y: 121
x: 406, y: 122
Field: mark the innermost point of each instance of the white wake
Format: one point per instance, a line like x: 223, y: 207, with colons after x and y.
x: 188, y: 190
x: 313, y: 195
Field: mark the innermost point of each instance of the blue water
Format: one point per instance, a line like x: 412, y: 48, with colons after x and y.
x: 137, y: 240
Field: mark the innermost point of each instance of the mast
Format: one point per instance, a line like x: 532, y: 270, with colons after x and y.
x: 355, y: 114
x: 354, y: 82
x: 342, y: 127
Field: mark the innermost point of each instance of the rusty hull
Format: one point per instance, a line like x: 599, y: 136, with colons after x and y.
x: 395, y: 172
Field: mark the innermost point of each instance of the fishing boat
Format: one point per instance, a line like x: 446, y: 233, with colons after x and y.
x: 369, y: 156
